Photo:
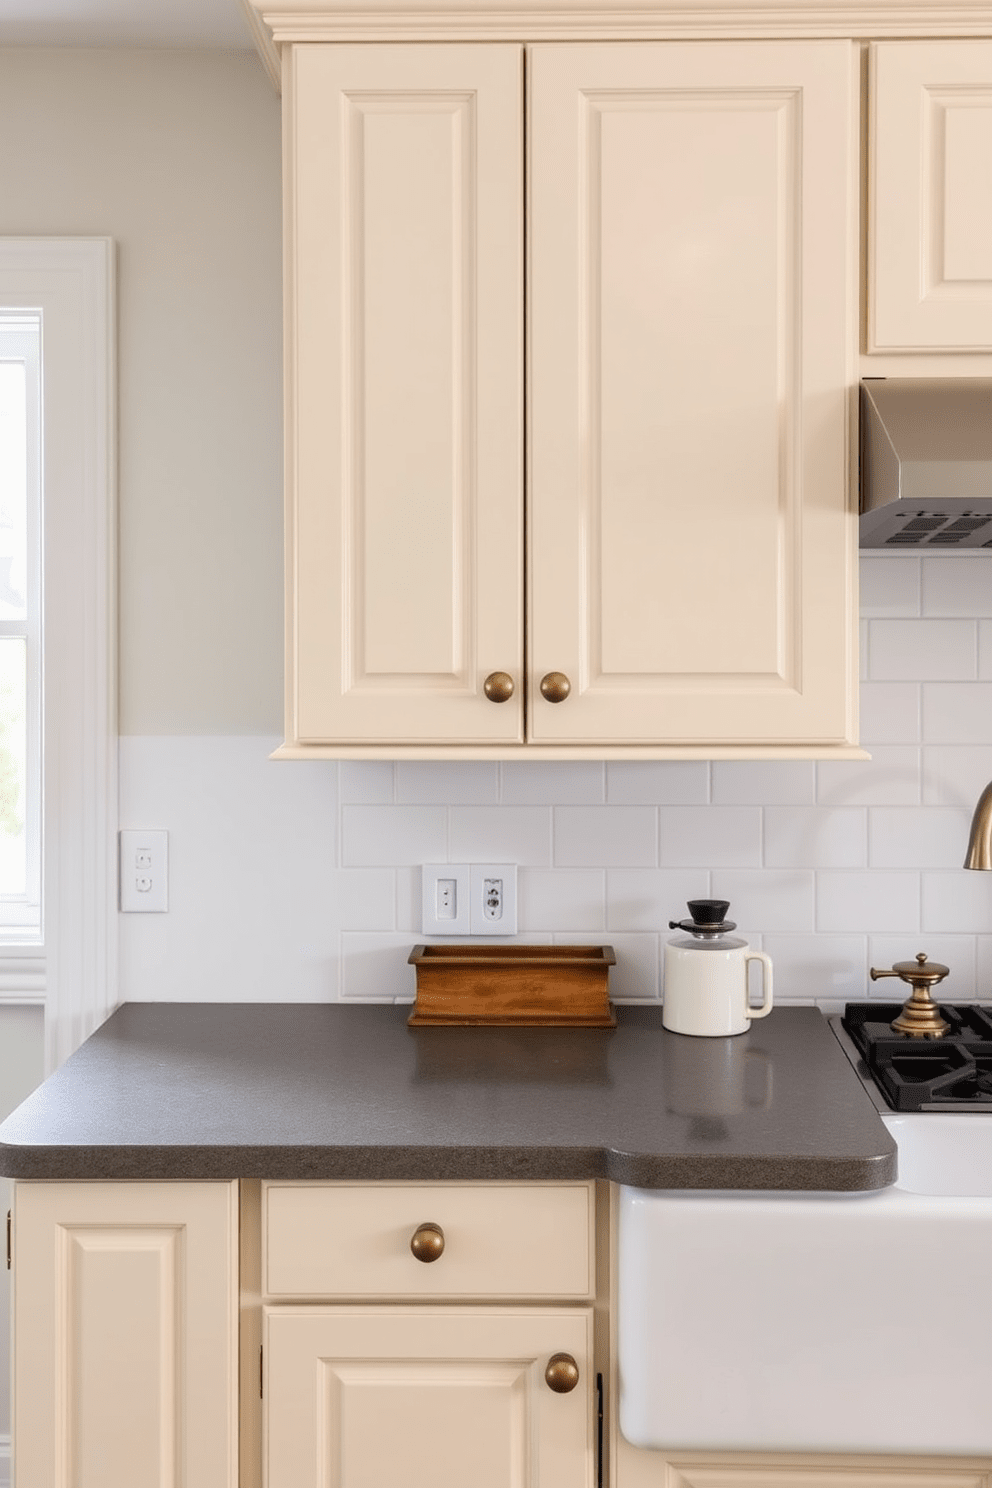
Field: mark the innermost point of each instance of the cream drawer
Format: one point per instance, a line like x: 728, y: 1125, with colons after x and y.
x: 351, y: 1240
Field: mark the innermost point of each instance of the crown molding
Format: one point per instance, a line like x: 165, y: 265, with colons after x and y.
x: 280, y: 23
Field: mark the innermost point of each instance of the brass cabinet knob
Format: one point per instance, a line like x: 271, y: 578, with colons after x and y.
x: 562, y: 1373
x: 555, y: 687
x: 427, y: 1243
x: 498, y: 687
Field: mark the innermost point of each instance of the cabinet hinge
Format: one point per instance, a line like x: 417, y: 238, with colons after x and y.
x: 9, y: 1243
x: 599, y: 1431
x: 261, y: 1375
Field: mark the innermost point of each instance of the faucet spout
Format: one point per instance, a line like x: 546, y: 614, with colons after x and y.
x: 979, y: 854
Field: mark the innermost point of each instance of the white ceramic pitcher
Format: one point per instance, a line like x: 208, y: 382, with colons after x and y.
x: 706, y: 975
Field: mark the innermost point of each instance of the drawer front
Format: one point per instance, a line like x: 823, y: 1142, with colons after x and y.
x: 353, y: 1240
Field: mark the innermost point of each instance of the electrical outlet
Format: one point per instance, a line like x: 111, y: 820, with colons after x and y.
x: 445, y: 900
x: 144, y: 872
x: 494, y: 899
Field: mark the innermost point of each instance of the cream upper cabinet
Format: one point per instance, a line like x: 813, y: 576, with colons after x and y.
x: 689, y: 229
x: 404, y: 385
x: 930, y: 192
x: 658, y: 512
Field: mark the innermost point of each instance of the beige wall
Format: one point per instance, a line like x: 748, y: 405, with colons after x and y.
x: 175, y: 155
x: 22, y: 1048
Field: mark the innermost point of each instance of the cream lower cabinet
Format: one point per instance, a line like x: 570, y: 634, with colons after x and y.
x: 568, y: 397
x: 125, y: 1335
x: 930, y: 128
x: 440, y: 1377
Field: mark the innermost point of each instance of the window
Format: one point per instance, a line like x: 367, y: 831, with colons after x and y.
x: 58, y: 750
x: 20, y: 627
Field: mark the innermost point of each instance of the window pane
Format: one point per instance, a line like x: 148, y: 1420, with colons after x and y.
x: 13, y: 489
x: 13, y: 761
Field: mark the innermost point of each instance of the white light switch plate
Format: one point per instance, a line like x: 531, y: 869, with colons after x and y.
x: 144, y: 870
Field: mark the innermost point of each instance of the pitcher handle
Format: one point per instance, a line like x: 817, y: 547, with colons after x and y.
x: 766, y: 984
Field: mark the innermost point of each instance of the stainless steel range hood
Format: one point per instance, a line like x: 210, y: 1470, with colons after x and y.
x: 926, y: 463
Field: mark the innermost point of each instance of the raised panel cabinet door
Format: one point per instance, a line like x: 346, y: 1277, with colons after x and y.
x: 404, y: 366
x: 125, y: 1326
x: 930, y: 196
x: 426, y: 1398
x: 692, y: 541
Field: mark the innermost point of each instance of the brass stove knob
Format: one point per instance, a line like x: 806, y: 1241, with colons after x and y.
x: 427, y: 1242
x: 562, y: 1373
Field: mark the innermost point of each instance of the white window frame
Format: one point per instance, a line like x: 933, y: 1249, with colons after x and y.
x: 74, y: 971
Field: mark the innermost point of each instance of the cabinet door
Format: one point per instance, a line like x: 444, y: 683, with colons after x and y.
x: 426, y: 1398
x: 930, y: 194
x: 404, y: 391
x: 692, y: 547
x: 125, y: 1326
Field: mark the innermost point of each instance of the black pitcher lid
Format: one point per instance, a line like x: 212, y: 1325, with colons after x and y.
x: 707, y: 918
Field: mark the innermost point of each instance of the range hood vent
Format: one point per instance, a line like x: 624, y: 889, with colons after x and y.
x: 926, y: 463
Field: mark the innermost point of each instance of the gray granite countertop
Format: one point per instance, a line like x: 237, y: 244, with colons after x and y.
x: 222, y: 1090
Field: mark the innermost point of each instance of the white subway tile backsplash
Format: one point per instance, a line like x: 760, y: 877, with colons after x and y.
x: 553, y: 783
x: 922, y: 650
x: 637, y: 974
x: 363, y: 898
x: 890, y: 713
x: 890, y: 586
x: 958, y: 585
x: 447, y: 782
x: 381, y: 836
x: 374, y: 968
x: 812, y: 967
x: 957, y: 712
x: 955, y: 775
x: 957, y: 900
x: 764, y: 782
x: 710, y: 837
x: 367, y: 782
x: 928, y: 837
x: 658, y: 782
x: 890, y: 778
x: 815, y: 837
x: 649, y: 898
x: 870, y: 901
x: 768, y: 899
x: 552, y: 900
x: 615, y: 837
x: 985, y: 650
x: 500, y: 834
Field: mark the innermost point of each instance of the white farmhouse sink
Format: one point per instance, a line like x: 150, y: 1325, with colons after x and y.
x: 816, y: 1322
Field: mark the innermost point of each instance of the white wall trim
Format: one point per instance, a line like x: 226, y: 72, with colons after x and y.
x: 72, y: 281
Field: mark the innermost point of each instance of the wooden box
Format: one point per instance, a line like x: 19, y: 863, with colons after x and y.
x: 513, y: 985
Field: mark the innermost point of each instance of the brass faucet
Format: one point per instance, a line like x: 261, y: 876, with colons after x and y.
x: 979, y: 854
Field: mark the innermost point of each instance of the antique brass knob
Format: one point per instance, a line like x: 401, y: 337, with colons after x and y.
x: 920, y: 1016
x: 427, y: 1243
x: 555, y: 687
x: 562, y: 1373
x: 498, y: 687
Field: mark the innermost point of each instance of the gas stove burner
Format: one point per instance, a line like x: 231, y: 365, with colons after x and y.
x: 953, y: 1073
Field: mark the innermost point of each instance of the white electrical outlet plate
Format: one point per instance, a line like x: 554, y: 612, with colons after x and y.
x: 494, y: 899
x: 445, y: 905
x: 144, y: 872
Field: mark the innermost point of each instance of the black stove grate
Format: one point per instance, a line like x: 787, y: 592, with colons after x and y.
x: 953, y: 1073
